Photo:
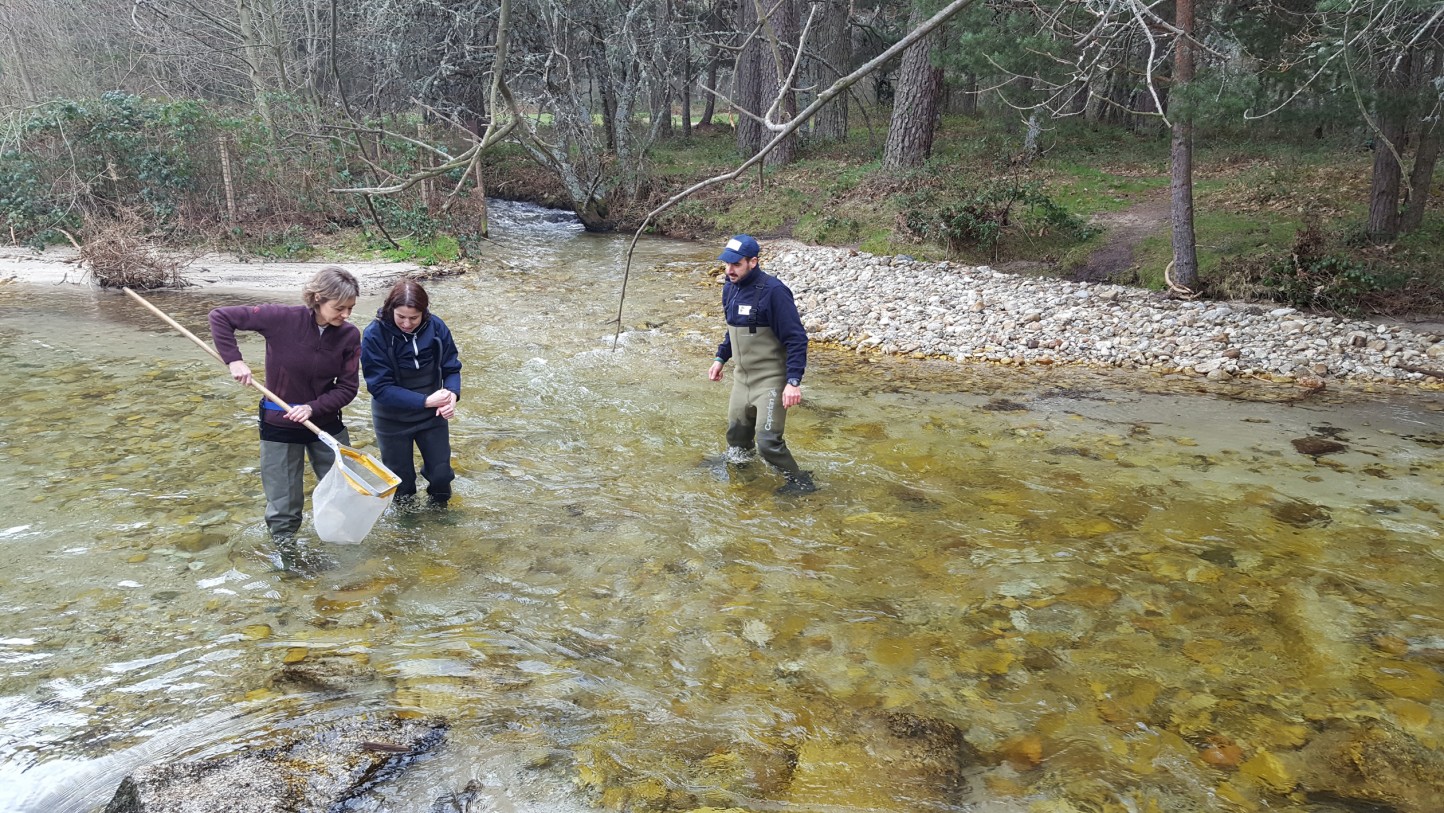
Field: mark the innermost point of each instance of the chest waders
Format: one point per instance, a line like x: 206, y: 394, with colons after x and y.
x: 397, y: 432
x: 755, y: 410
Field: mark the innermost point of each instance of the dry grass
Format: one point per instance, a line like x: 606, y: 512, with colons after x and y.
x: 120, y: 252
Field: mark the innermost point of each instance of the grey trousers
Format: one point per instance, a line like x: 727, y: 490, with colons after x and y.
x: 283, y: 479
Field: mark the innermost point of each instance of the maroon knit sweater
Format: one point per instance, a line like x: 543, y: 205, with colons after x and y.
x: 304, y: 364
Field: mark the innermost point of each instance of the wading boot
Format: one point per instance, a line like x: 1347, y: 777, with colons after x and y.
x: 797, y: 483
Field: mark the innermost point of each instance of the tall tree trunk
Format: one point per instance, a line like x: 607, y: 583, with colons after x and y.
x: 254, y: 49
x: 27, y: 84
x: 1185, y: 252
x: 835, y: 51
x: 1426, y: 157
x: 278, y: 45
x: 915, y: 103
x: 1078, y: 102
x: 601, y: 71
x: 709, y: 109
x: 1388, y: 145
x: 968, y: 102
x: 1422, y: 177
x: 783, y: 30
x: 747, y: 82
x: 662, y: 110
x: 687, y: 91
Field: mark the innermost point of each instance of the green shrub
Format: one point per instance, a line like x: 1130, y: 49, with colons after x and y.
x: 69, y: 160
x: 1321, y: 273
x: 985, y: 213
x: 294, y: 243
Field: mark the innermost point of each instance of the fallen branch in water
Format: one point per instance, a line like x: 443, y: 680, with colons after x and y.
x: 1421, y: 370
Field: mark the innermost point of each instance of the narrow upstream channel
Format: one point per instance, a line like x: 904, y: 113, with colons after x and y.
x: 1016, y: 587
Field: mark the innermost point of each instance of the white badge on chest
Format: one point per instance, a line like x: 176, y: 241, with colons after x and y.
x: 744, y: 310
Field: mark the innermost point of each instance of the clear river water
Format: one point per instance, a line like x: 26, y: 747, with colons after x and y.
x: 1040, y: 590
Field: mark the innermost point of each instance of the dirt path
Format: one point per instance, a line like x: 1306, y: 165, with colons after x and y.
x: 1123, y: 230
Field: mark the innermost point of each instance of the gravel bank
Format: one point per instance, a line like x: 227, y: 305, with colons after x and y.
x: 973, y: 313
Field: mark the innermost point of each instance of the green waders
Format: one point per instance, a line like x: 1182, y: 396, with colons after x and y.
x: 755, y: 410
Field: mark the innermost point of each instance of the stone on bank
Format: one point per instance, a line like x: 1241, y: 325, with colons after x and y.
x: 974, y: 313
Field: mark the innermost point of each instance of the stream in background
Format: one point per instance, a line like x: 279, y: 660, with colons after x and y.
x: 1018, y: 590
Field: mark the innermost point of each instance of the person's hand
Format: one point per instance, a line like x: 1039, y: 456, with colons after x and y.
x: 715, y: 373
x: 440, y: 398
x: 791, y: 396
x: 299, y: 413
x: 444, y: 402
x: 240, y: 372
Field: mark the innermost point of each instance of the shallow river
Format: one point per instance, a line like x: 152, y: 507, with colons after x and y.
x: 1043, y: 590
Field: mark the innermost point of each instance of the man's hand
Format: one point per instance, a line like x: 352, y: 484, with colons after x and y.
x: 791, y: 396
x: 715, y: 373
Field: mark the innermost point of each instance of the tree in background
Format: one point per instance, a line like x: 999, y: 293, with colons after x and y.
x: 747, y: 77
x: 1185, y: 249
x: 1382, y: 58
x: 829, y: 58
x: 1399, y: 50
x: 917, y: 103
x: 781, y: 31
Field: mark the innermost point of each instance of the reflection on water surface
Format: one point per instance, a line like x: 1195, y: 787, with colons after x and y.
x: 1017, y: 591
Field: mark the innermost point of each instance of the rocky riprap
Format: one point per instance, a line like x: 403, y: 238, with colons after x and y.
x: 974, y: 313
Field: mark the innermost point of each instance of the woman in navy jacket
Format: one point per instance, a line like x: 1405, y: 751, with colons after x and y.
x: 413, y: 372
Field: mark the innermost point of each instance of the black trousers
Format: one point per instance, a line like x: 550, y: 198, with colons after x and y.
x: 433, y: 439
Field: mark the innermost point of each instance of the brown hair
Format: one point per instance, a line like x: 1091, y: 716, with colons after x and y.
x: 331, y: 284
x: 406, y: 293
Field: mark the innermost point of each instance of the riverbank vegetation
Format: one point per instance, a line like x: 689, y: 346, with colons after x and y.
x: 1230, y: 150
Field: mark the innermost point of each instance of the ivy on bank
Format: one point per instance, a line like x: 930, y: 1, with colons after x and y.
x: 193, y: 169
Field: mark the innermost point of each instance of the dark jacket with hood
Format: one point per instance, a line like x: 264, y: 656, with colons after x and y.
x: 402, y: 369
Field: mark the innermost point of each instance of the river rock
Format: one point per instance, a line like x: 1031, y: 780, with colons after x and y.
x: 317, y: 768
x: 910, y: 307
x: 874, y: 762
x: 326, y: 673
x: 1374, y: 768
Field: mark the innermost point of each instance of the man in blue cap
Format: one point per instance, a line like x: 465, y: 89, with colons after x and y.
x: 766, y: 337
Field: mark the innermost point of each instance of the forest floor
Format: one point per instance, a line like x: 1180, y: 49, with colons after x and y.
x: 1094, y: 206
x: 1126, y: 229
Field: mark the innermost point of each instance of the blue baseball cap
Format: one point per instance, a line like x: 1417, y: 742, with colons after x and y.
x: 739, y: 248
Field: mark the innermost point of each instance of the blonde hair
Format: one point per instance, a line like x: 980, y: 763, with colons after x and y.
x: 330, y: 284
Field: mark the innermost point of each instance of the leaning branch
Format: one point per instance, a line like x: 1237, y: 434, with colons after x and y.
x: 808, y: 112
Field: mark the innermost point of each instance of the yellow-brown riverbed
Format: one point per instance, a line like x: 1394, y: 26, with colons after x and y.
x: 1018, y: 590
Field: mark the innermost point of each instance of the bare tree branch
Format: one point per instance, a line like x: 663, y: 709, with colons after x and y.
x: 823, y: 98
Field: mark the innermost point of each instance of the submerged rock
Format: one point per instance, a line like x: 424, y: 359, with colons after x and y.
x: 324, y: 673
x: 877, y: 761
x: 1316, y: 446
x: 1376, y: 768
x: 317, y: 768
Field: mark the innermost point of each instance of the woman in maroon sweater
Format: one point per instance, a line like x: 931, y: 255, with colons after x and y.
x: 312, y: 360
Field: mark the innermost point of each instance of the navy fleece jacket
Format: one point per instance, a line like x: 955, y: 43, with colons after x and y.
x: 771, y: 306
x: 385, y: 350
